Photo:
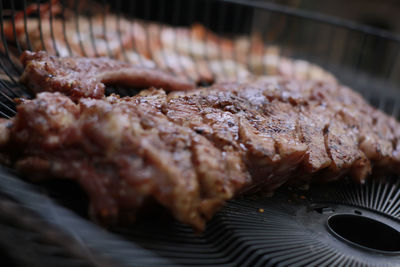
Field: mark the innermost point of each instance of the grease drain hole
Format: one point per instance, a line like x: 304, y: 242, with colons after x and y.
x: 365, y: 232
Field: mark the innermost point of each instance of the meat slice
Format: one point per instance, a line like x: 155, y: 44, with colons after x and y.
x: 374, y: 144
x: 304, y: 125
x: 194, y: 51
x: 331, y: 141
x: 342, y: 146
x: 312, y: 125
x: 192, y: 151
x: 268, y: 143
x: 124, y: 153
x: 282, y: 122
x: 218, y: 126
x: 86, y: 77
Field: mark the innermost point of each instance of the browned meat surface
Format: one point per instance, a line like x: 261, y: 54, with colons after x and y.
x: 125, y: 152
x: 193, y: 52
x: 86, y: 77
x: 192, y: 151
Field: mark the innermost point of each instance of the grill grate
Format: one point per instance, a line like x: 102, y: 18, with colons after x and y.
x: 287, y: 229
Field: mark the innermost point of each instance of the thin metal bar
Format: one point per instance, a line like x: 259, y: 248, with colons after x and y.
x: 275, y: 28
x: 320, y: 17
x: 14, y: 26
x: 11, y: 106
x: 329, y: 49
x: 346, y: 49
x: 287, y: 30
x: 9, y: 89
x: 281, y: 23
x: 221, y: 22
x: 40, y: 24
x: 311, y: 46
x: 376, y: 68
x: 28, y: 41
x: 190, y: 16
x: 132, y: 32
x: 360, y: 53
x: 64, y: 29
x: 146, y: 29
x: 161, y: 27
x: 396, y: 109
x: 382, y: 103
x: 283, y: 38
x: 5, y: 69
x: 392, y: 64
x: 207, y: 8
x: 236, y: 27
x: 51, y: 28
x: 264, y: 40
x: 175, y: 22
x: 11, y: 110
x: 119, y: 29
x: 78, y: 32
x: 147, y: 12
x: 92, y: 35
x: 6, y: 48
x: 250, y: 47
x: 4, y: 115
x: 391, y: 105
x: 357, y: 67
x: 257, y: 53
x: 105, y: 28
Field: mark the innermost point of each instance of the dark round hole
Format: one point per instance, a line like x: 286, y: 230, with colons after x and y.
x: 365, y: 232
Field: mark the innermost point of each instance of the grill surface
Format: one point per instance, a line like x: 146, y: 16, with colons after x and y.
x: 294, y: 227
x: 286, y: 229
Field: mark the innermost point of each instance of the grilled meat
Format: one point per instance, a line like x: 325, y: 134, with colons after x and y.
x: 86, y: 77
x: 194, y: 51
x: 191, y: 151
x: 124, y: 152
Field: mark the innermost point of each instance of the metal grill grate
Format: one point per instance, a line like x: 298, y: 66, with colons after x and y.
x: 287, y: 229
x: 290, y: 231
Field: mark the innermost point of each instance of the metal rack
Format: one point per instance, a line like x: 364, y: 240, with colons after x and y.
x: 291, y: 230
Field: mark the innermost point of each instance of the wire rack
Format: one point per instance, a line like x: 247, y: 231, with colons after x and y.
x: 207, y: 38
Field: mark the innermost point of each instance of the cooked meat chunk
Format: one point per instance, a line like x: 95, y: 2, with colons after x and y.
x: 312, y: 125
x: 86, y: 77
x: 193, y: 51
x: 191, y: 151
x: 124, y: 152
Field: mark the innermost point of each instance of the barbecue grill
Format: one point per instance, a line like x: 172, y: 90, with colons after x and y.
x: 340, y: 223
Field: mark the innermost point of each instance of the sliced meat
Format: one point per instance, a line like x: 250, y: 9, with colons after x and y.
x: 191, y: 151
x: 311, y: 126
x: 342, y: 147
x: 125, y: 152
x: 86, y: 77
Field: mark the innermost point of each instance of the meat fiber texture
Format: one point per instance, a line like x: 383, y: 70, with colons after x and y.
x: 192, y: 151
x: 86, y: 77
